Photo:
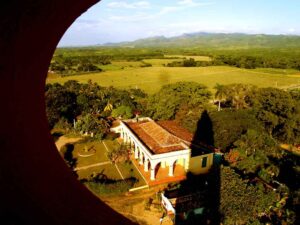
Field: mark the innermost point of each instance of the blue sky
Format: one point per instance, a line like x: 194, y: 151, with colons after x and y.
x: 116, y: 21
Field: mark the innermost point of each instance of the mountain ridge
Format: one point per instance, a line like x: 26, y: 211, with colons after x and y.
x: 206, y: 39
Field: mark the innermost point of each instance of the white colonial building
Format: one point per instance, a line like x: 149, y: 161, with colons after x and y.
x: 153, y: 145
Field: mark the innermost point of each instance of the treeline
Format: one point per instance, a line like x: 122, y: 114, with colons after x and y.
x: 247, y: 61
x: 252, y: 62
x: 113, y: 53
x: 69, y: 65
x: 192, y: 63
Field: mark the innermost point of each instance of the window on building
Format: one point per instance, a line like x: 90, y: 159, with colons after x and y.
x: 204, y: 162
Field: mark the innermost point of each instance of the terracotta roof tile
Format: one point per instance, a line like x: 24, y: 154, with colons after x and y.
x: 175, y: 129
x: 155, y: 137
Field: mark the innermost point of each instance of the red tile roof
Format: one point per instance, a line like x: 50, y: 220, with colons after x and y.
x: 155, y: 137
x: 175, y: 129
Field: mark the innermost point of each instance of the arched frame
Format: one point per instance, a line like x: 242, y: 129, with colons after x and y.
x: 35, y: 184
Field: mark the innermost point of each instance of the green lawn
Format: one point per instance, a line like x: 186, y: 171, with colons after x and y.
x: 126, y: 168
x: 108, y: 170
x: 151, y: 79
x: 99, y: 156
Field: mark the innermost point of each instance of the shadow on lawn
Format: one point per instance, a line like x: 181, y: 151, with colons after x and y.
x: 67, y: 153
x: 102, y: 178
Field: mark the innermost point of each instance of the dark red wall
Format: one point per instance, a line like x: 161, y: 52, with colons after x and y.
x: 36, y: 187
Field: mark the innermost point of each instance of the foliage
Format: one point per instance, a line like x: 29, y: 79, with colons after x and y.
x: 229, y: 125
x: 59, y: 104
x: 279, y: 113
x: 91, y: 124
x: 68, y: 65
x: 64, y: 103
x: 252, y: 151
x: 241, y: 203
x: 125, y: 112
x: 110, y: 187
x: 118, y: 153
x: 167, y: 102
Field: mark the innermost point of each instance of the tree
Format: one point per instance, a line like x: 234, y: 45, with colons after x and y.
x: 237, y: 94
x: 252, y: 151
x: 167, y: 102
x: 240, y: 202
x: 118, y: 153
x: 91, y: 124
x: 221, y: 94
x: 229, y: 125
x: 122, y: 111
x: 278, y: 112
x: 60, y: 103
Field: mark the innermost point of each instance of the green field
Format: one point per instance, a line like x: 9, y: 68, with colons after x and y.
x: 151, y: 79
x: 196, y: 57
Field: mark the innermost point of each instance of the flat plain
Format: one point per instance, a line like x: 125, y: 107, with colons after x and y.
x: 132, y: 74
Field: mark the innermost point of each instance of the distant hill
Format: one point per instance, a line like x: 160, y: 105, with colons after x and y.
x: 217, y: 40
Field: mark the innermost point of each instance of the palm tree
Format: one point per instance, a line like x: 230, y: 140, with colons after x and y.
x: 108, y: 107
x: 238, y: 93
x: 221, y: 94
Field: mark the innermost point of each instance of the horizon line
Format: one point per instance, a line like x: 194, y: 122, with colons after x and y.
x: 106, y: 44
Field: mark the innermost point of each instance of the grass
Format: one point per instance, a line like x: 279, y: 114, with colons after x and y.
x: 99, y: 156
x: 109, y: 170
x: 196, y: 57
x: 128, y: 170
x: 151, y: 79
x: 160, y: 62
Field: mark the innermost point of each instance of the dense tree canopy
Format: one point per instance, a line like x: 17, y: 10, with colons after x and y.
x: 279, y: 113
x: 172, y: 97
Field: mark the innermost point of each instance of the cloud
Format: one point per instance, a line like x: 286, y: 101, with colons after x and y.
x: 125, y: 5
x: 192, y: 3
x: 292, y: 30
x: 130, y: 18
x: 182, y: 5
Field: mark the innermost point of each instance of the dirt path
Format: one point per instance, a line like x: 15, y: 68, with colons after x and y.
x: 92, y: 165
x: 65, y: 140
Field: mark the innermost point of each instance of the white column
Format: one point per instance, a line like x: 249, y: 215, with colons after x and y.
x: 152, y: 175
x: 122, y: 134
x: 171, y: 169
x: 186, y: 163
x: 136, y: 152
x: 146, y: 165
x: 141, y: 158
x: 163, y: 164
x: 129, y: 141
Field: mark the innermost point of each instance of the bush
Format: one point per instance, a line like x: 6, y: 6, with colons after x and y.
x: 110, y: 188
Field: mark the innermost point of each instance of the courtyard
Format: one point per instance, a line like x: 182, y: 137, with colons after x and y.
x: 90, y: 159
